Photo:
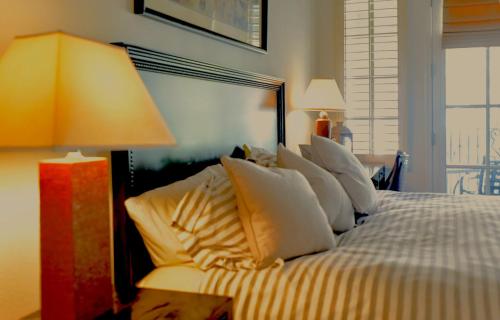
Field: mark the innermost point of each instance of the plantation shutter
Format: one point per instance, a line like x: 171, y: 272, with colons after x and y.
x: 371, y: 75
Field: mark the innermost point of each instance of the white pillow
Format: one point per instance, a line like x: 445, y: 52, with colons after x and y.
x: 332, y: 197
x: 207, y: 224
x: 260, y: 156
x: 152, y: 214
x: 280, y: 213
x: 349, y: 171
x: 305, y: 150
x: 183, y: 277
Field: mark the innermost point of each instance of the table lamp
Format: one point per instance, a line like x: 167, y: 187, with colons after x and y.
x: 64, y: 92
x: 323, y: 95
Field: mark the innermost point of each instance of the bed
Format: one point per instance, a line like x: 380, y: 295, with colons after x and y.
x: 419, y: 256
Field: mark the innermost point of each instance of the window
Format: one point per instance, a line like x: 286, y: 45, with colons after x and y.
x: 371, y: 75
x: 473, y: 120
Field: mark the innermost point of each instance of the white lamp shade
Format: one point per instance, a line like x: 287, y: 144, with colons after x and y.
x: 58, y: 90
x: 323, y: 94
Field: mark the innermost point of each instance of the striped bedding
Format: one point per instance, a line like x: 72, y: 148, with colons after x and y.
x: 421, y: 256
x: 207, y: 224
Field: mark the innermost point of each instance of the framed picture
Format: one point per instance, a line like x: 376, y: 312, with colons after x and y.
x: 239, y: 22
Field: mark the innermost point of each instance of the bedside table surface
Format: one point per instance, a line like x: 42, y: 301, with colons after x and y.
x: 165, y: 304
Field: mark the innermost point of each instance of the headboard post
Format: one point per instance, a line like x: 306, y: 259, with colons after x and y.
x: 281, y: 110
x: 131, y: 259
x: 127, y: 241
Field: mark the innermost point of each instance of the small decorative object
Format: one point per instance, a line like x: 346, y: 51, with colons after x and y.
x: 323, y: 125
x: 239, y: 22
x: 61, y: 91
x: 323, y: 95
x: 344, y: 135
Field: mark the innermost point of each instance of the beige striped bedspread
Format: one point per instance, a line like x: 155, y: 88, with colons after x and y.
x: 421, y: 256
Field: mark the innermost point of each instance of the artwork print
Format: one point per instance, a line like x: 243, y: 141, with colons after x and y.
x: 241, y: 22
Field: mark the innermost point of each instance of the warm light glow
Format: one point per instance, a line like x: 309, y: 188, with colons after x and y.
x: 58, y: 90
x: 75, y: 245
x: 323, y: 94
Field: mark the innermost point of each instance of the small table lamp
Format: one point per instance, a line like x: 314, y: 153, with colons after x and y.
x: 323, y: 95
x: 65, y: 92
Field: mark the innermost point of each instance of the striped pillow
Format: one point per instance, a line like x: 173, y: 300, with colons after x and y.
x: 207, y: 224
x: 260, y: 156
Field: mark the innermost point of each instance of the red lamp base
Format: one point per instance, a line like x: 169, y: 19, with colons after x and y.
x: 323, y: 127
x: 75, y: 238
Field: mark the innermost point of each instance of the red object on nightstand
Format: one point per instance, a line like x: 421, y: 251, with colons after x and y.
x: 323, y: 127
x: 75, y: 242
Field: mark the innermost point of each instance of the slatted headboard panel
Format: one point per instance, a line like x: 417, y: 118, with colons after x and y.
x: 210, y: 109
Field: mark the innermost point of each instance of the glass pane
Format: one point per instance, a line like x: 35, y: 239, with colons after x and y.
x: 382, y: 30
x: 360, y: 131
x: 390, y: 38
x: 385, y: 55
x: 355, y: 71
x: 465, y: 135
x: 357, y: 23
x: 356, y: 9
x: 356, y: 56
x: 385, y: 46
x: 386, y: 86
x: 385, y: 71
x: 463, y: 181
x: 386, y: 136
x: 386, y: 109
x: 466, y: 76
x: 387, y: 4
x: 357, y: 31
x: 494, y: 75
x: 386, y: 96
x: 357, y: 98
x: 495, y: 136
x: 357, y: 47
x: 358, y: 110
x: 356, y: 40
x: 493, y: 183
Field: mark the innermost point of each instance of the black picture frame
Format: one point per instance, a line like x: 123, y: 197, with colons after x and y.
x: 141, y: 8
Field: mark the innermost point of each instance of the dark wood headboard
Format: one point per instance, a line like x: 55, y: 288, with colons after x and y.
x: 131, y: 260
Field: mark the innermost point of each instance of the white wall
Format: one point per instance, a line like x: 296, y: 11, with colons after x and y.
x: 293, y: 38
x: 330, y: 47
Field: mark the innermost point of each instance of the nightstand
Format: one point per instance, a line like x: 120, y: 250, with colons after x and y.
x: 165, y: 304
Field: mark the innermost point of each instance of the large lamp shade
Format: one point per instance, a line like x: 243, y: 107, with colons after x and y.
x: 58, y: 90
x: 323, y: 94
